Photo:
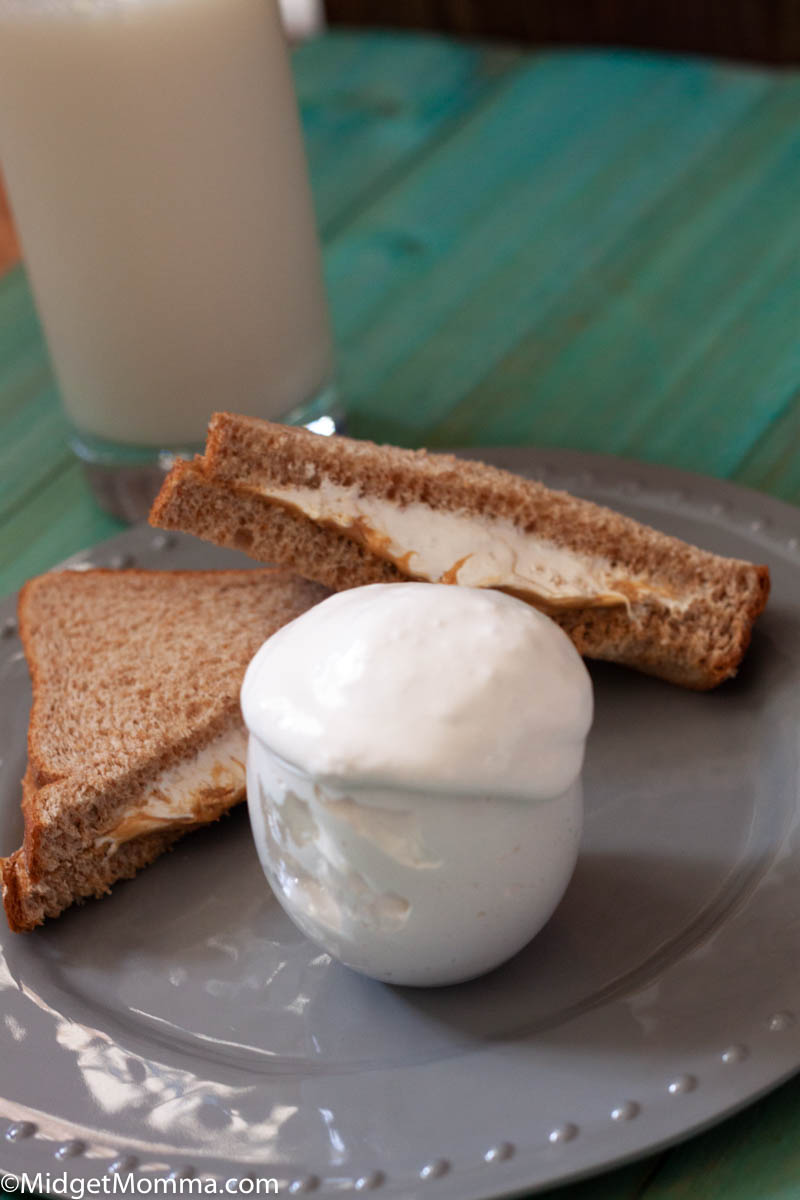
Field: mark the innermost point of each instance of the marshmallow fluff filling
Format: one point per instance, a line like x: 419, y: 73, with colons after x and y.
x: 425, y: 687
x: 456, y: 547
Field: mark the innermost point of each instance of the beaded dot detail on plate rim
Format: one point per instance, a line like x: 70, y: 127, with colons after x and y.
x: 19, y: 1130
x: 8, y: 628
x: 780, y: 1021
x: 177, y: 1173
x: 308, y: 1183
x: 118, y: 561
x: 562, y: 1134
x: 681, y: 1084
x: 123, y: 1165
x: 435, y: 1169
x: 366, y: 1183
x: 625, y: 1111
x: 499, y: 1153
x: 162, y: 541
x: 70, y: 1149
x: 734, y: 1054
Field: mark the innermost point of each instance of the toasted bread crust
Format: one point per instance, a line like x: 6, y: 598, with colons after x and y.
x: 214, y: 497
x: 28, y: 902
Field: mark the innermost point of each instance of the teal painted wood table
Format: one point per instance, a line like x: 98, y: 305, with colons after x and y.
x: 592, y: 250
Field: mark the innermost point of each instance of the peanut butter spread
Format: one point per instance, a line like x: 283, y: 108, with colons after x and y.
x: 190, y: 793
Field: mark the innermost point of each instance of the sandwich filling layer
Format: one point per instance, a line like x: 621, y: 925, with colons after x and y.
x: 443, y: 546
x: 194, y: 791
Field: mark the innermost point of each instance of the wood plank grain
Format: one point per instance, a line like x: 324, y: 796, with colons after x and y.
x: 401, y: 260
x: 371, y: 104
x: 675, y: 347
x: 441, y: 295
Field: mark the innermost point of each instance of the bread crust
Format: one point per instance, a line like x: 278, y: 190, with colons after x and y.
x: 698, y: 647
x: 28, y: 902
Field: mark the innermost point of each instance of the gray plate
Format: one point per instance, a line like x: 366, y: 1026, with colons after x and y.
x: 184, y: 1024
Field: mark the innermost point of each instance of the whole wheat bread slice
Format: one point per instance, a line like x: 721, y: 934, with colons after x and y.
x: 684, y: 614
x: 134, y: 673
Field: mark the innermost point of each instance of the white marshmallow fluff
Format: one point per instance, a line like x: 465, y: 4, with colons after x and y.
x: 413, y: 775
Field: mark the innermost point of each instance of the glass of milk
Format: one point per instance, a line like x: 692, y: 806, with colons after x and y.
x: 154, y: 160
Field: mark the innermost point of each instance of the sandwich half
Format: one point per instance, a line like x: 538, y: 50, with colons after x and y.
x: 135, y: 733
x: 345, y: 513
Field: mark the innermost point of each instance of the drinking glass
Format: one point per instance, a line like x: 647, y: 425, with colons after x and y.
x: 156, y: 171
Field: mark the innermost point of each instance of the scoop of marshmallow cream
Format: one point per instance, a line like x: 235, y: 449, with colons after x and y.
x: 413, y: 775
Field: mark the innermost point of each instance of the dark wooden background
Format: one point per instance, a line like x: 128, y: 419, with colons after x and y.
x: 766, y: 31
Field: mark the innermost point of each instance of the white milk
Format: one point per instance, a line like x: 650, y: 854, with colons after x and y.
x: 153, y: 156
